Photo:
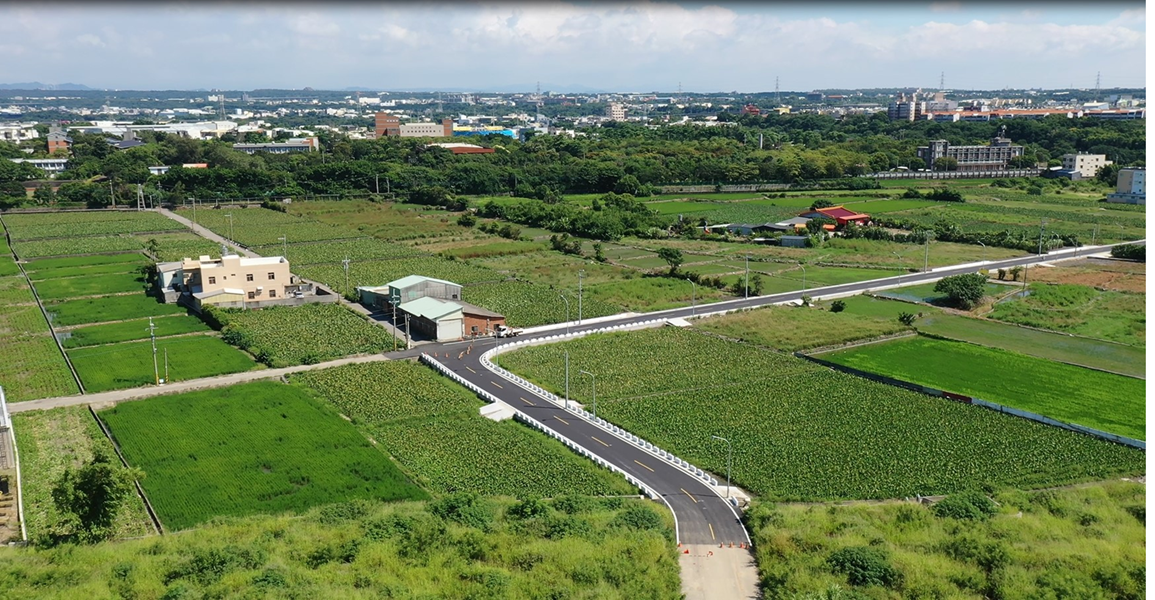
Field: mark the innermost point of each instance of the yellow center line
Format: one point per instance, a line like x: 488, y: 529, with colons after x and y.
x: 471, y: 370
x: 497, y: 384
x: 651, y: 470
x: 561, y: 419
x: 712, y: 532
x: 527, y: 402
x: 599, y: 441
x: 688, y: 494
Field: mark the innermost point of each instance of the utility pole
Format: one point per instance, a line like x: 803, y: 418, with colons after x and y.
x: 408, y: 339
x: 166, y: 365
x: 803, y: 267
x: 230, y: 216
x: 194, y: 202
x: 1042, y: 229
x: 581, y: 273
x: 693, y: 297
x: 594, y: 381
x: 152, y: 336
x: 111, y: 193
x: 345, y: 264
x: 926, y: 254
x: 729, y: 457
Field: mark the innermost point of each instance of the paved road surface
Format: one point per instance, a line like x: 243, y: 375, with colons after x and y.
x: 205, y: 233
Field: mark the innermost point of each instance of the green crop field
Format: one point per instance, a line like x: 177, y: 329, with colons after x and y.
x: 650, y: 293
x: 1087, y: 542
x: 89, y: 285
x: 77, y: 245
x: 609, y: 549
x: 50, y: 442
x: 116, y: 268
x: 129, y: 364
x: 1111, y: 403
x: 388, y: 221
x: 8, y: 266
x: 251, y: 448
x: 49, y: 265
x: 1109, y: 356
x: 33, y: 367
x: 176, y: 246
x: 554, y: 268
x: 59, y: 224
x: 885, y: 206
x: 111, y: 308
x: 485, y: 248
x: 282, y: 336
x: 1081, y: 310
x: 311, y: 253
x: 802, y: 431
x: 924, y: 292
x: 432, y: 428
x: 263, y: 227
x: 125, y: 331
x: 380, y: 272
x: 794, y: 328
x: 15, y: 290
x: 528, y: 304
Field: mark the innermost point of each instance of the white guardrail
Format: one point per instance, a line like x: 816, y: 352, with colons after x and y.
x: 532, y: 422
x: 610, y: 428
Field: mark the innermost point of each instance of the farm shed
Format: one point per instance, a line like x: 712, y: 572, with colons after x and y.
x: 839, y: 214
x: 408, y: 289
x: 437, y: 319
x: 479, y: 321
x: 793, y: 241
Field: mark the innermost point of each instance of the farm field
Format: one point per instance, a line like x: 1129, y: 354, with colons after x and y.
x: 282, y: 336
x: 125, y: 331
x: 115, y: 268
x: 1107, y: 402
x: 109, y: 308
x: 423, y: 421
x: 50, y: 441
x: 1109, y: 356
x: 89, y: 285
x: 924, y: 292
x: 263, y: 227
x: 574, y: 549
x: 1103, y: 274
x: 310, y: 253
x: 794, y: 328
x: 45, y: 268
x: 808, y: 432
x: 650, y: 293
x: 554, y: 268
x: 129, y: 364
x: 260, y: 447
x: 529, y: 304
x: 78, y: 245
x: 1081, y: 310
x: 380, y: 272
x: 65, y: 224
x: 1086, y: 542
x: 14, y: 289
x: 385, y: 220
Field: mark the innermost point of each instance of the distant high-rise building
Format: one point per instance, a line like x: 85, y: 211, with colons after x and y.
x: 615, y: 111
x: 906, y: 107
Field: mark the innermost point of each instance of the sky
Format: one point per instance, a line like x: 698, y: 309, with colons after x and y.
x: 570, y: 45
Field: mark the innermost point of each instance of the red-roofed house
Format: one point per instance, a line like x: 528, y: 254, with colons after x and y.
x: 841, y: 215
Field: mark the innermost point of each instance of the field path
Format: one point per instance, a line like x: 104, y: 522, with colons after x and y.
x: 114, y: 396
x: 205, y: 233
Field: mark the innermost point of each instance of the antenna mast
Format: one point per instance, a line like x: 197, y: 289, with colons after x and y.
x: 942, y: 81
x: 777, y: 93
x: 1097, y: 74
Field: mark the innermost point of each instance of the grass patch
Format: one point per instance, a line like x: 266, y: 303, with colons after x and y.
x: 89, y: 285
x: 126, y: 331
x: 129, y: 364
x: 111, y: 308
x: 69, y: 262
x: 370, y: 549
x: 281, y: 336
x: 924, y: 292
x: 1079, y: 309
x: 424, y: 421
x: 794, y: 328
x: 1084, y: 542
x: 15, y: 290
x: 78, y: 271
x: 651, y: 293
x: 809, y: 432
x: 485, y: 249
x: 251, y: 448
x: 1104, y: 401
x: 528, y: 304
x: 50, y: 442
x: 385, y: 220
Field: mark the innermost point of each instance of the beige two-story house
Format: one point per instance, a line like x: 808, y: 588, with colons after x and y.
x: 230, y: 280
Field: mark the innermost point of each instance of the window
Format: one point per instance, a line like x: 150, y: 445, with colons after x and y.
x: 252, y: 295
x: 272, y: 276
x: 272, y: 293
x: 249, y: 277
x: 212, y: 280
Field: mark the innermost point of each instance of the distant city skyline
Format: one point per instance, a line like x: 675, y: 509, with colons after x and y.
x: 576, y: 46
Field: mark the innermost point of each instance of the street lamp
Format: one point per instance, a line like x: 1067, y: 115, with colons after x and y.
x: 729, y: 457
x: 747, y: 276
x: 693, y: 297
x: 230, y: 216
x: 284, y: 239
x: 803, y: 267
x: 594, y: 383
x: 926, y: 253
x: 984, y: 250
x: 562, y: 296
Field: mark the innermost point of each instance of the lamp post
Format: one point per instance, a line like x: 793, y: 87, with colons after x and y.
x: 926, y: 254
x: 803, y: 267
x: 693, y: 297
x: 230, y: 216
x: 984, y: 251
x: 194, y: 203
x: 594, y: 383
x: 581, y: 273
x: 729, y: 458
x: 562, y: 296
x: 567, y: 379
x: 747, y: 276
x: 345, y: 264
x: 284, y: 246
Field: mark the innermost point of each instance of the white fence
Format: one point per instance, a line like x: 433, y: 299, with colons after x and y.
x: 6, y: 429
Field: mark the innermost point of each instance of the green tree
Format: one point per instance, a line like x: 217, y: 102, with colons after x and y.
x: 823, y: 203
x: 599, y: 252
x: 946, y: 163
x: 673, y: 257
x: 963, y: 291
x: 757, y: 284
x: 466, y: 220
x: 837, y: 306
x: 90, y: 496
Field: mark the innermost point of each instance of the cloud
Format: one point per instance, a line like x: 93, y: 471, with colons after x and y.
x: 313, y: 24
x: 89, y: 39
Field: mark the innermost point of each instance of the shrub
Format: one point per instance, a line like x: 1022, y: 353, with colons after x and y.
x: 972, y: 506
x: 464, y: 508
x: 864, y: 565
x: 906, y: 318
x: 837, y: 306
x: 1130, y: 252
x: 467, y: 220
x: 638, y: 517
x: 530, y: 508
x: 963, y: 291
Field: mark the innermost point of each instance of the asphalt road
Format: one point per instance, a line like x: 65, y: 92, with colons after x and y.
x: 703, y: 516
